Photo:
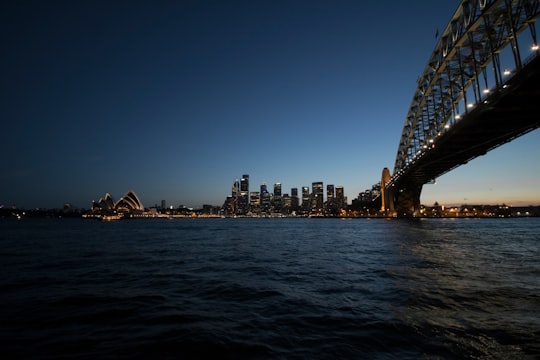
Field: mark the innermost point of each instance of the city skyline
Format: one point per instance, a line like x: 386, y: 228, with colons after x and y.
x: 175, y: 99
x: 246, y: 200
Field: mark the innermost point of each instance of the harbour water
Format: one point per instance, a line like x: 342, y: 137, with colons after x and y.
x: 270, y: 289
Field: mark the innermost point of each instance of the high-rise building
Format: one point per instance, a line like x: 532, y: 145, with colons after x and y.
x: 286, y: 203
x: 244, y: 183
x: 340, y: 197
x: 330, y: 193
x: 234, y: 196
x: 265, y: 199
x: 243, y: 199
x: 255, y: 202
x: 277, y: 197
x: 330, y: 199
x: 295, y: 202
x: 306, y: 202
x: 317, y: 196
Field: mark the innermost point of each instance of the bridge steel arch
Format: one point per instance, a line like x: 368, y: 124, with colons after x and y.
x: 466, y: 71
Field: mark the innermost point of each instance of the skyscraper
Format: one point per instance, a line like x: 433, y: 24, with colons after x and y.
x: 277, y: 197
x: 295, y: 202
x: 340, y: 197
x: 330, y: 199
x: 306, y: 203
x: 255, y: 202
x: 243, y: 199
x: 265, y: 199
x: 330, y: 193
x: 317, y: 196
x: 234, y: 197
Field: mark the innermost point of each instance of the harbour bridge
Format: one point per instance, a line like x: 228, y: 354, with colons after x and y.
x: 479, y: 90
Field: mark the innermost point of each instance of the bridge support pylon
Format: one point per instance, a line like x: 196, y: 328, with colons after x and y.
x: 387, y: 194
x: 407, y: 200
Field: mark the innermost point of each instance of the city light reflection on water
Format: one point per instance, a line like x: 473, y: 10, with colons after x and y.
x: 267, y: 288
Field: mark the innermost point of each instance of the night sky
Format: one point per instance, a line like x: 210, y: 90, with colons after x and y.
x: 176, y: 99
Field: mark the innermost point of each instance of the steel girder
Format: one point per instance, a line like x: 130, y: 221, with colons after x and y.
x: 468, y: 47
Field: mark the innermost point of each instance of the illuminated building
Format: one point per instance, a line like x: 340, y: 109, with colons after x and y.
x: 265, y: 199
x: 243, y: 198
x: 255, y: 202
x: 340, y: 197
x: 129, y: 203
x: 317, y: 196
x: 277, y: 197
x: 306, y: 202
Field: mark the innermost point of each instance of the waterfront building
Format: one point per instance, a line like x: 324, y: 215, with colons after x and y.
x: 277, y: 198
x: 254, y: 202
x: 228, y: 206
x: 340, y: 197
x: 317, y: 197
x: 286, y: 201
x: 306, y: 201
x: 330, y: 205
x: 266, y: 203
x: 128, y: 204
x: 295, y: 201
x: 234, y: 196
x: 243, y: 198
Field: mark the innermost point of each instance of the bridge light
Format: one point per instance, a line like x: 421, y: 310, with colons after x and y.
x: 507, y: 72
x: 457, y: 117
x: 535, y: 47
x: 431, y: 141
x: 447, y: 126
x: 470, y: 106
x: 486, y: 91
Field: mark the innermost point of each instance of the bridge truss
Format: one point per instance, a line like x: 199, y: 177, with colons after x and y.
x: 483, y: 45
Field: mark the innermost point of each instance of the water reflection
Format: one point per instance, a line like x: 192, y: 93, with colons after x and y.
x: 467, y: 284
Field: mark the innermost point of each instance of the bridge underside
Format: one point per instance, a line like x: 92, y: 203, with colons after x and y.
x: 508, y: 113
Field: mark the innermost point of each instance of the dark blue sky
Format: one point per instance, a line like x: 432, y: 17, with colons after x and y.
x: 177, y: 99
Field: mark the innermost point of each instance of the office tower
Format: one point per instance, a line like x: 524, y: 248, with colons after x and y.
x: 228, y: 206
x: 286, y: 202
x: 234, y: 196
x: 306, y: 203
x: 163, y: 204
x: 243, y: 198
x: 277, y: 197
x: 317, y: 196
x: 330, y: 207
x: 340, y: 197
x: 254, y: 202
x: 244, y: 183
x: 330, y: 193
x: 295, y: 202
x: 265, y: 199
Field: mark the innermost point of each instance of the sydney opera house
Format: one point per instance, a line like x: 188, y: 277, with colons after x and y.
x: 126, y: 206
